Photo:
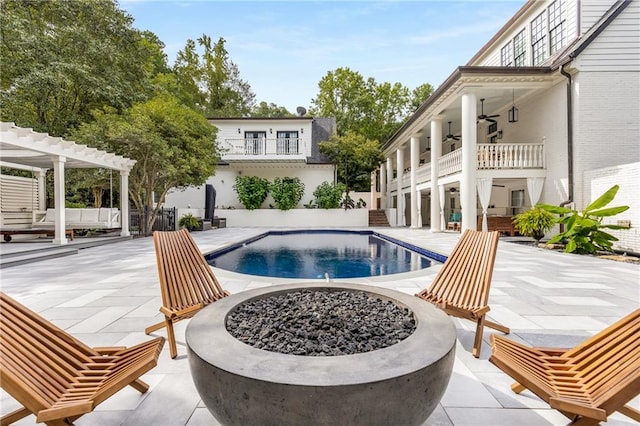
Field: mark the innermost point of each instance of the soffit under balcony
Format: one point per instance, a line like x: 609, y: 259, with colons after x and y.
x: 498, y: 86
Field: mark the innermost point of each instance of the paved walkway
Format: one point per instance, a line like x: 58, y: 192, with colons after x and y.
x: 107, y: 295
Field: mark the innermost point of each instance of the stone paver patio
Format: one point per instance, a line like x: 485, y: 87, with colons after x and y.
x: 107, y: 295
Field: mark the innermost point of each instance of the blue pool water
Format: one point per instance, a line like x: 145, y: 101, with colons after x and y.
x: 312, y: 254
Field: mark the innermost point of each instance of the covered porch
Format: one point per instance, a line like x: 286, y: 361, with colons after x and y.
x: 24, y: 149
x: 483, y: 122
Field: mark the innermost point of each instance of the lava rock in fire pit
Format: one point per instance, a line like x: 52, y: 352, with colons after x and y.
x: 320, y: 323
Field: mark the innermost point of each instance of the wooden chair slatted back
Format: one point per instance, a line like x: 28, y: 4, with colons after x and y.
x: 465, y: 278
x: 606, y: 359
x: 599, y: 375
x: 55, y: 376
x: 42, y: 357
x: 127, y: 367
x: 185, y: 276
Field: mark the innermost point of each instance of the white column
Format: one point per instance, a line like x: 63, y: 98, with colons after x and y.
x: 400, y: 165
x: 436, y: 152
x: 441, y: 198
x: 469, y: 162
x: 124, y: 203
x: 58, y: 189
x: 389, y: 179
x: 419, y: 197
x: 372, y: 191
x: 42, y: 189
x: 383, y: 186
x: 415, y: 154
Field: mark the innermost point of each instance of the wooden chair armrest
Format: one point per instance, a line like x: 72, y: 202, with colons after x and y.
x: 562, y: 404
x: 171, y: 313
x: 67, y: 410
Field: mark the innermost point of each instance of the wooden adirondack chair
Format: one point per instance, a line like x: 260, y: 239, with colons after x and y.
x: 586, y: 383
x: 57, y: 377
x: 187, y: 282
x: 461, y: 287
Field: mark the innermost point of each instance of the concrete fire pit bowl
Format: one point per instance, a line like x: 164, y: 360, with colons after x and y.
x: 397, y: 385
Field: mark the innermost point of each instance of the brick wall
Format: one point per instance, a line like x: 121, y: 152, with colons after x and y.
x: 627, y: 176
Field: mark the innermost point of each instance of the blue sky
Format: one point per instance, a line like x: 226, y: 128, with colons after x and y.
x: 284, y: 48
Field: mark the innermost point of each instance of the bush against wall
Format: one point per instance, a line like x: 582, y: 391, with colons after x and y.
x: 251, y: 190
x: 328, y: 195
x: 286, y: 192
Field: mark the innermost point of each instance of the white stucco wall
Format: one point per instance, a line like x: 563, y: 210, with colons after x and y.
x: 298, y: 218
x: 224, y: 179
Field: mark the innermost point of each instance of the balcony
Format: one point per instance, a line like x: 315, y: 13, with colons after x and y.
x: 265, y: 149
x: 515, y: 156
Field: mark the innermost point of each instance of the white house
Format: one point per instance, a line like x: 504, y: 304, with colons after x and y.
x: 547, y: 111
x: 264, y: 147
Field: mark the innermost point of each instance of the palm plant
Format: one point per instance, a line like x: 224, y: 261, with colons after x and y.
x: 584, y: 231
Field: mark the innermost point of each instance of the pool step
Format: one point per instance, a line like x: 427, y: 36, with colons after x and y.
x: 378, y: 218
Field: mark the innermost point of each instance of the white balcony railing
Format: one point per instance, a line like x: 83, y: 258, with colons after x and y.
x: 264, y: 147
x: 490, y: 156
x: 511, y: 156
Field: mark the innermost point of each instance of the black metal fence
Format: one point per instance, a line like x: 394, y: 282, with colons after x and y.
x: 165, y: 221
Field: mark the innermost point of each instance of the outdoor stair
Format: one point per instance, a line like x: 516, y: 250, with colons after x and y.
x: 378, y: 218
x: 21, y: 257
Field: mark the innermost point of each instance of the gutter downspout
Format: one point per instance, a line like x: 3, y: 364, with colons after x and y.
x: 569, y: 137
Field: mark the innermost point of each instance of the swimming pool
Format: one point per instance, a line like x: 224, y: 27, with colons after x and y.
x: 312, y: 254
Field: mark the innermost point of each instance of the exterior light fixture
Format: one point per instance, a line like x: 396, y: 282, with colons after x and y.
x: 428, y: 148
x: 452, y: 190
x: 513, y: 112
x: 239, y: 130
x: 270, y: 130
x: 301, y: 131
x: 499, y: 134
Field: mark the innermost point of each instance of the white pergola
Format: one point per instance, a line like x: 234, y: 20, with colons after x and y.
x: 22, y: 148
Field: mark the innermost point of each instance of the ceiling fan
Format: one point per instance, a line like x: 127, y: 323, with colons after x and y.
x: 450, y: 136
x: 482, y: 117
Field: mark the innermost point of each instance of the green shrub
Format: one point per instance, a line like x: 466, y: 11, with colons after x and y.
x: 534, y: 223
x: 286, y: 192
x: 328, y: 195
x: 251, y: 190
x: 349, y: 203
x: 584, y: 233
x: 189, y: 221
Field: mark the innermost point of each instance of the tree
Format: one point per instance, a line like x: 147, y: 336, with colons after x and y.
x: 375, y: 110
x: 174, y: 147
x: 342, y: 95
x: 271, y: 110
x: 419, y: 95
x: 61, y: 60
x: 355, y: 157
x: 211, y: 82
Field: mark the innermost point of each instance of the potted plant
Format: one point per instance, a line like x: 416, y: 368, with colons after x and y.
x: 534, y: 223
x: 189, y: 221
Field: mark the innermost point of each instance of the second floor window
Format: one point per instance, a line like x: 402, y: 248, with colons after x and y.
x: 287, y: 142
x: 556, y: 27
x: 506, y: 55
x: 520, y: 49
x: 538, y: 42
x: 254, y: 143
